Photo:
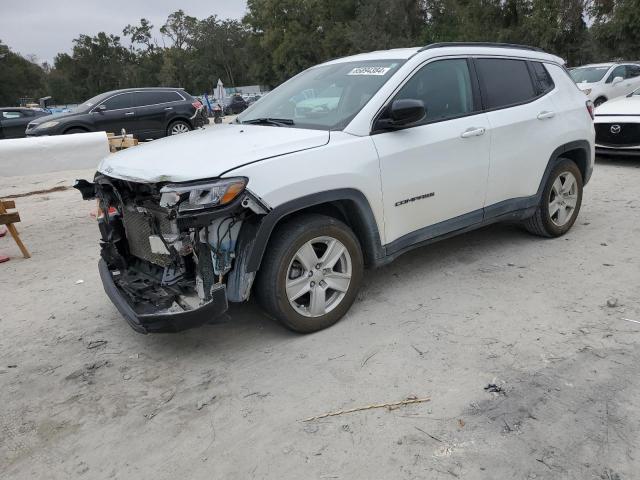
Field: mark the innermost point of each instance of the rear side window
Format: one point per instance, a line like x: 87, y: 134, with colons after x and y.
x: 445, y: 88
x: 542, y: 77
x: 155, y: 98
x: 123, y: 100
x: 633, y: 71
x: 504, y: 82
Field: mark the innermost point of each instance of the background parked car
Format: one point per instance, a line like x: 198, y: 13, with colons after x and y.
x: 235, y: 105
x: 617, y: 125
x: 144, y: 112
x: 605, y: 81
x: 14, y: 120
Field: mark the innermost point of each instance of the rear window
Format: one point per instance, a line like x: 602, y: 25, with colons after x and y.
x: 504, y: 82
x: 155, y: 98
x: 544, y: 80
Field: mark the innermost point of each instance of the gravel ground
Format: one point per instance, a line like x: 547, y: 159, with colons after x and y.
x: 83, y: 396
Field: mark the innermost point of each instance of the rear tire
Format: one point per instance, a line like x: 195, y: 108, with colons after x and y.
x: 178, y: 127
x: 560, y: 203
x: 311, y: 273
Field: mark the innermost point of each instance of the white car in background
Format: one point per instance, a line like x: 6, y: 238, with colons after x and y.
x: 605, y: 81
x: 618, y: 126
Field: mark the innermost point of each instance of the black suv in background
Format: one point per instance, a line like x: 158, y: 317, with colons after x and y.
x: 144, y: 112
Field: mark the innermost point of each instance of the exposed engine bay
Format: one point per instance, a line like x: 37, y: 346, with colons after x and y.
x: 173, y: 248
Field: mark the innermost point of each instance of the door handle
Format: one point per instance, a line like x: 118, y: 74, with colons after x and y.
x: 473, y: 132
x: 169, y: 108
x: 128, y: 114
x: 546, y: 115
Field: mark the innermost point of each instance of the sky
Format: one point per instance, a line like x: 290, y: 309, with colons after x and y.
x: 46, y: 27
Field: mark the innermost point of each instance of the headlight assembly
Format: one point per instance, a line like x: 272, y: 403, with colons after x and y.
x: 199, y: 196
x: 49, y: 124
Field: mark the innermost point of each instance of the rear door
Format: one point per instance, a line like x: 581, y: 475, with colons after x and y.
x: 524, y: 125
x: 154, y: 110
x: 119, y: 113
x: 434, y: 174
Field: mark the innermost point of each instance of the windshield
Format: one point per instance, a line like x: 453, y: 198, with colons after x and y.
x: 325, y: 97
x: 92, y: 102
x: 589, y: 74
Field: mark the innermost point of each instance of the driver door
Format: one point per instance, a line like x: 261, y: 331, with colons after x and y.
x: 434, y: 174
x: 118, y: 112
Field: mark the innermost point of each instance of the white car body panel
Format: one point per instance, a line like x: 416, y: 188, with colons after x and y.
x: 207, y: 153
x: 517, y: 162
x: 620, y: 106
x: 569, y: 104
x: 432, y: 160
x: 347, y: 161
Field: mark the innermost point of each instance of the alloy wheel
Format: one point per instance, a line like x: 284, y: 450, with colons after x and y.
x: 563, y: 199
x: 179, y: 128
x: 318, y: 276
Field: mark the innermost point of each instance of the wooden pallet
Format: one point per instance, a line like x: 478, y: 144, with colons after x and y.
x: 8, y: 219
x: 120, y: 142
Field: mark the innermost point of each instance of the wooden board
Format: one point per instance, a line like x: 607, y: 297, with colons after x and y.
x: 7, y: 218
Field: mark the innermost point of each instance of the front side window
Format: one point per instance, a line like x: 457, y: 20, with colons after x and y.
x: 504, y: 82
x: 619, y: 71
x: 445, y: 88
x: 120, y: 101
x: 325, y: 97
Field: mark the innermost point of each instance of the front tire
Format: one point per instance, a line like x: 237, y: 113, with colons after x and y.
x: 599, y: 101
x: 560, y: 202
x: 311, y: 273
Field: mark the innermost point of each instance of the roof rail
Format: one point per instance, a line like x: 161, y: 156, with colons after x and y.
x: 480, y: 44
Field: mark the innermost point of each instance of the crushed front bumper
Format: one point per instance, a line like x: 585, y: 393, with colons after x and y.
x: 162, y: 322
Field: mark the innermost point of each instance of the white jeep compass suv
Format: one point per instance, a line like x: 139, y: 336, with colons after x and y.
x: 347, y: 165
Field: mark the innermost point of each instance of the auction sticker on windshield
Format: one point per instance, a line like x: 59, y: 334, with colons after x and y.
x: 369, y: 71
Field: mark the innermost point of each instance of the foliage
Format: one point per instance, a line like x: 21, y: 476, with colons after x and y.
x: 278, y: 38
x: 18, y: 77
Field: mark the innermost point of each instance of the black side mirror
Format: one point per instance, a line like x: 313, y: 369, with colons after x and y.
x: 101, y: 108
x: 402, y: 113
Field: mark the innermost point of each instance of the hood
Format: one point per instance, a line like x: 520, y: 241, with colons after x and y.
x: 584, y: 85
x: 54, y: 116
x: 620, y: 106
x: 208, y: 153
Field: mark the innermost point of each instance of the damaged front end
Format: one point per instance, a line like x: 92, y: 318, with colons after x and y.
x: 170, y: 252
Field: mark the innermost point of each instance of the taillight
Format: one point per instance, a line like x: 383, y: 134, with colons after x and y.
x: 591, y: 109
x: 197, y: 105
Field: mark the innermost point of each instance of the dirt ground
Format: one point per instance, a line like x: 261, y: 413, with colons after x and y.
x: 83, y: 396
